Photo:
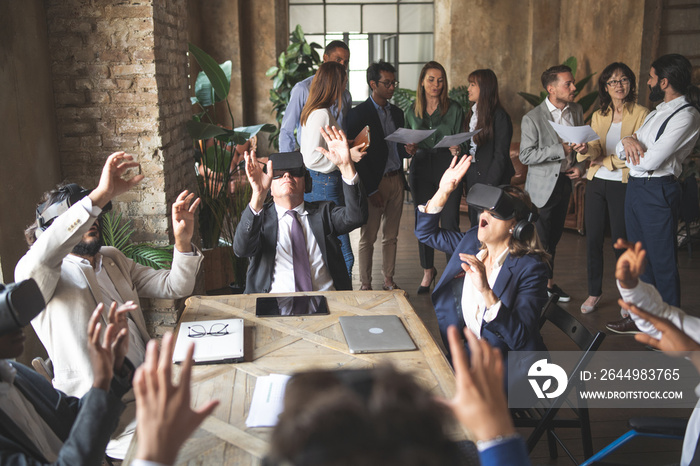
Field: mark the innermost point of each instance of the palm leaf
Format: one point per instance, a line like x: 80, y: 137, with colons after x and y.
x: 157, y: 257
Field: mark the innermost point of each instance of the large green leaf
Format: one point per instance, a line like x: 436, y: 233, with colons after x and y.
x: 582, y: 83
x: 587, y: 101
x: 531, y: 98
x: 156, y: 257
x: 203, y: 88
x: 215, y: 73
x: 217, y: 158
x: 572, y: 63
x: 298, y: 33
x: 271, y: 71
x: 253, y: 130
x: 201, y: 130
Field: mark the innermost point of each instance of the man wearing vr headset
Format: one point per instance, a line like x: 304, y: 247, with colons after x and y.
x: 293, y: 245
x: 495, y: 282
x: 39, y: 424
x: 75, y: 273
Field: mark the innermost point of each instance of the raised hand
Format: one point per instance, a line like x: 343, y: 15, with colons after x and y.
x: 183, y: 220
x: 260, y: 181
x: 479, y: 403
x: 631, y: 263
x: 476, y: 271
x: 102, y: 354
x: 117, y: 316
x: 454, y: 174
x: 672, y: 340
x: 165, y: 417
x: 338, y: 150
x: 111, y: 182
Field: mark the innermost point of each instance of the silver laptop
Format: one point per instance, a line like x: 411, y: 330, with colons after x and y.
x: 375, y: 334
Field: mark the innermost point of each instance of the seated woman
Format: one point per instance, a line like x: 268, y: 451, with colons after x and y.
x: 506, y: 289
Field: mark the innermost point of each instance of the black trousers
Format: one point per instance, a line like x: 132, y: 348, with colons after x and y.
x: 426, y: 170
x: 550, y: 225
x: 602, y: 195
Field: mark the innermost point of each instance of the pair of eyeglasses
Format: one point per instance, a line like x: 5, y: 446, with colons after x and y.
x: 389, y: 84
x: 199, y: 331
x: 297, y: 172
x: 621, y: 82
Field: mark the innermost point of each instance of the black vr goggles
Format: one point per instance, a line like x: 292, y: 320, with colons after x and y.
x: 68, y: 195
x: 504, y: 207
x: 292, y: 163
x: 19, y: 304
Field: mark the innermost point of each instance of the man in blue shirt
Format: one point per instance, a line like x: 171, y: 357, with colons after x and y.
x: 336, y: 50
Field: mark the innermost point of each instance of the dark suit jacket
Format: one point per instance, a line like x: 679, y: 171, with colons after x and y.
x: 371, y: 167
x: 521, y: 286
x: 492, y: 164
x: 256, y: 237
x: 84, y: 425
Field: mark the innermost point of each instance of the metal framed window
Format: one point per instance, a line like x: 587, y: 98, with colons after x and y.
x: 397, y: 31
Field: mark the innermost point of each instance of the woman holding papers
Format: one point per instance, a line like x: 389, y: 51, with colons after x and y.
x: 433, y: 109
x: 490, y: 148
x: 619, y: 116
x: 326, y: 89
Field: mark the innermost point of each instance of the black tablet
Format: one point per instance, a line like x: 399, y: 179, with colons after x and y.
x: 291, y: 306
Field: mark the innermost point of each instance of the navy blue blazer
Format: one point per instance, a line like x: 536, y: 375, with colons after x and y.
x: 521, y: 286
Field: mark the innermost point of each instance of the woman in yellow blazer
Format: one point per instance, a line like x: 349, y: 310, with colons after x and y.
x: 619, y: 116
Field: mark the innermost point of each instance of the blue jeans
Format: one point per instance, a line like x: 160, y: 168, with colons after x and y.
x: 328, y: 187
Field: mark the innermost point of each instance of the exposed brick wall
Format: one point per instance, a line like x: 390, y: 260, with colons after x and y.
x: 119, y: 75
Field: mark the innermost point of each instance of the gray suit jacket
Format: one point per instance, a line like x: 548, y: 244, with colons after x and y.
x: 84, y: 425
x: 71, y: 293
x: 541, y: 150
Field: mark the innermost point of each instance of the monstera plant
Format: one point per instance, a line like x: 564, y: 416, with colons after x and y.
x: 404, y: 98
x: 221, y: 180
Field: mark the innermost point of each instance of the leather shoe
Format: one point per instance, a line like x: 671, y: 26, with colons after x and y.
x: 391, y: 287
x: 625, y: 326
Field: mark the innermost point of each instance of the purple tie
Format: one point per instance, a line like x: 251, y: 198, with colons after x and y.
x: 300, y: 257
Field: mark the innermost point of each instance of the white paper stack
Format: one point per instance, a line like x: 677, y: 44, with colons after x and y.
x: 268, y: 401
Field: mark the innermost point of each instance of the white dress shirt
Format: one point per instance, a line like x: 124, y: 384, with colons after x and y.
x: 562, y: 117
x: 472, y: 127
x: 474, y: 310
x: 283, y: 275
x: 665, y: 156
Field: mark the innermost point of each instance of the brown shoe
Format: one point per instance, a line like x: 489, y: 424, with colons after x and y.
x: 391, y: 287
x: 366, y: 288
x: 624, y: 326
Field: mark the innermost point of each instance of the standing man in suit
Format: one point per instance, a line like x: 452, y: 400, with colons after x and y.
x: 76, y: 273
x: 552, y: 162
x: 337, y: 51
x: 381, y: 172
x: 293, y: 245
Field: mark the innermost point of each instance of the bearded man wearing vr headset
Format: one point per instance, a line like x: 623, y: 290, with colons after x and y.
x: 75, y: 273
x: 293, y: 245
x: 506, y: 266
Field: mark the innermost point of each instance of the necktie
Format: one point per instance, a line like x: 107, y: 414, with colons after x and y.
x: 300, y: 257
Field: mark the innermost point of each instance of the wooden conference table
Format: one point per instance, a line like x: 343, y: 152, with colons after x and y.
x: 284, y: 345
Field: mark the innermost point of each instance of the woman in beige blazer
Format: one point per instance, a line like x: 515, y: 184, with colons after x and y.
x: 619, y: 116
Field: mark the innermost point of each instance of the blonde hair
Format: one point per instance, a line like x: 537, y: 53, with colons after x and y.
x: 326, y: 89
x: 421, y: 104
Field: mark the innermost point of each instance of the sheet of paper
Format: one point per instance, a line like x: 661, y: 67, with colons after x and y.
x: 409, y: 136
x: 455, y: 139
x: 268, y: 401
x: 575, y: 134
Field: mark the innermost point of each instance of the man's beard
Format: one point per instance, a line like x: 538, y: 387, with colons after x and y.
x: 86, y: 249
x: 656, y: 93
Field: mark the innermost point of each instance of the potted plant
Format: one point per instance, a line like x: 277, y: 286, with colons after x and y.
x: 221, y: 180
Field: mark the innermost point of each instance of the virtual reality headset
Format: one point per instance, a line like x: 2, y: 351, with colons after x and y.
x: 499, y: 203
x: 292, y: 163
x: 68, y: 195
x: 19, y: 304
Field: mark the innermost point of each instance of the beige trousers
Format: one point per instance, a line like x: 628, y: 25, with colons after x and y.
x: 389, y: 216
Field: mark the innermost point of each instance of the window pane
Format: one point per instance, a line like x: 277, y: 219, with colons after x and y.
x: 344, y: 18
x: 408, y: 75
x: 358, y: 1
x: 415, y: 47
x: 358, y: 85
x: 379, y: 18
x: 415, y: 18
x: 359, y: 52
x: 318, y: 38
x: 310, y: 17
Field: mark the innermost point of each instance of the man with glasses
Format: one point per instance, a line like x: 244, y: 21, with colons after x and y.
x: 337, y: 51
x: 75, y: 273
x: 552, y: 162
x: 381, y: 172
x: 293, y: 245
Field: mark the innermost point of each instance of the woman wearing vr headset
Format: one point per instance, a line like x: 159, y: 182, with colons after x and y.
x: 495, y: 282
x: 326, y: 89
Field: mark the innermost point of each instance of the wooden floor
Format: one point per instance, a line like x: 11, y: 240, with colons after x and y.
x: 570, y: 274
